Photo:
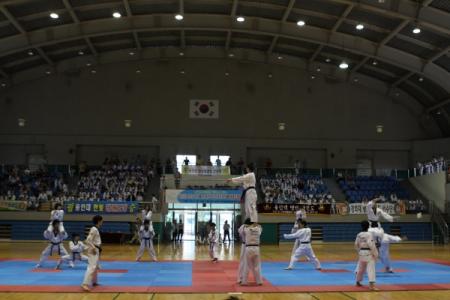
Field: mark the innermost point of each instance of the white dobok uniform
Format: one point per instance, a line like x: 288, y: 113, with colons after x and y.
x: 299, y: 214
x: 252, y: 234
x: 367, y: 251
x: 146, y: 238
x: 76, y: 253
x: 304, y: 249
x: 242, y: 262
x: 56, y: 215
x: 93, y: 243
x: 212, y: 239
x: 384, y: 249
x: 55, y: 245
x: 375, y: 216
x: 146, y: 215
x: 248, y: 181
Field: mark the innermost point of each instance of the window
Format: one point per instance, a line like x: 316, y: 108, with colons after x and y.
x: 182, y: 157
x: 223, y: 159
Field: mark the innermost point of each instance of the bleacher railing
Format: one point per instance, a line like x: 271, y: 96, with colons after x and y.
x: 439, y: 221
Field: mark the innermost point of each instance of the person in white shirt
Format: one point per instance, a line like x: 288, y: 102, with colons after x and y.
x: 57, y: 214
x: 252, y: 235
x: 146, y: 234
x: 374, y: 213
x: 242, y: 261
x: 155, y: 202
x: 146, y: 213
x: 367, y: 255
x: 94, y: 247
x: 299, y: 215
x: 212, y: 239
x: 303, y: 235
x: 249, y: 196
x: 226, y: 231
x: 76, y: 247
x: 55, y: 238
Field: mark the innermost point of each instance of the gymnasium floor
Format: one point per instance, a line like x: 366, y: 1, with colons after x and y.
x: 416, y: 265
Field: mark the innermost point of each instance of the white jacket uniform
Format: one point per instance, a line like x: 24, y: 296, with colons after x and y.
x: 367, y: 251
x: 146, y: 215
x: 304, y: 249
x: 212, y: 239
x: 252, y: 234
x: 55, y: 245
x: 146, y: 238
x: 248, y: 181
x: 93, y: 243
x: 242, y: 261
x: 77, y: 253
x: 384, y: 250
x: 56, y: 215
x: 374, y: 216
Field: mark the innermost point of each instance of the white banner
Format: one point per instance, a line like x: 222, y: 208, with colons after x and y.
x: 361, y: 209
x: 206, y: 170
x: 204, y: 109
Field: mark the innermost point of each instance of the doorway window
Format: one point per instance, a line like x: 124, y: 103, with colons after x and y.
x: 181, y: 160
x: 223, y: 159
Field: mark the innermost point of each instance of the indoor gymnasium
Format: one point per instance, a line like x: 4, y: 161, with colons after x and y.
x: 224, y: 149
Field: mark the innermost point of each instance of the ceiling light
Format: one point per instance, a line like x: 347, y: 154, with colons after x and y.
x: 21, y: 122
x: 181, y: 53
x: 281, y: 126
x: 416, y: 30
x: 138, y: 71
x: 131, y: 53
x: 117, y: 14
x: 30, y: 52
x: 48, y: 72
x: 397, y: 94
x: 280, y: 57
x: 420, y: 79
x: 438, y: 112
x: 182, y: 72
x: 231, y: 55
x: 270, y: 75
x: 355, y: 79
x: 88, y: 64
x: 179, y: 17
x: 359, y: 26
x: 313, y: 77
x: 318, y: 69
x: 227, y: 74
x: 374, y: 63
x: 343, y: 65
x: 93, y: 72
x: 80, y: 52
x: 379, y: 128
x: 240, y: 19
x: 127, y: 123
x: 327, y: 60
x: 54, y: 15
x: 3, y: 84
x: 301, y: 23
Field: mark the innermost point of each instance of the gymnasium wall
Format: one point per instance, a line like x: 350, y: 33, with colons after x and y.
x: 433, y: 187
x: 326, y: 119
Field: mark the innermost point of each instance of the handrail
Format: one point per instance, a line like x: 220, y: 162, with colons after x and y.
x: 438, y: 219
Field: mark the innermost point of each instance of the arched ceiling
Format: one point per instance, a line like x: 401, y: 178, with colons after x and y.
x: 386, y: 49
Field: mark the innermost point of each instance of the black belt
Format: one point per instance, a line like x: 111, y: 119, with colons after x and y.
x: 245, y: 191
x: 364, y: 249
x: 99, y: 249
x: 252, y: 245
x: 147, y: 241
x: 74, y: 254
x: 374, y: 222
x: 59, y: 248
x: 305, y: 242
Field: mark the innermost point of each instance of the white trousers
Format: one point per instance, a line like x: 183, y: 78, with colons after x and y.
x: 252, y: 264
x: 52, y: 249
x: 90, y: 277
x: 242, y: 264
x: 212, y: 250
x: 71, y: 258
x: 146, y: 244
x: 294, y: 248
x: 366, y: 263
x: 304, y: 250
x: 250, y: 205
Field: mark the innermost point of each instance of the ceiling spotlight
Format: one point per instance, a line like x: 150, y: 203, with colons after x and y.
x: 88, y: 64
x: 54, y: 15
x: 416, y: 30
x: 131, y: 53
x: 343, y: 65
x: 313, y: 77
x: 397, y: 94
x: 93, y: 72
x: 181, y: 53
x: 182, y: 72
x: 379, y: 128
x: 438, y: 112
x: 138, y: 71
x: 80, y: 52
x: 230, y: 55
x: 179, y: 17
x: 48, y: 72
x: 270, y: 75
x: 328, y: 60
x: 3, y: 84
x: 301, y: 23
x: 355, y: 79
x: 127, y: 123
x: 281, y: 126
x: 30, y: 52
x: 359, y: 26
x: 420, y: 79
x: 21, y: 122
x: 318, y: 69
x: 374, y: 63
x: 227, y: 74
x: 280, y: 57
x: 117, y: 15
x: 240, y: 19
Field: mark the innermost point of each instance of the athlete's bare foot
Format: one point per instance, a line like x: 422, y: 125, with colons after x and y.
x: 85, y: 288
x: 358, y: 283
x: 288, y: 268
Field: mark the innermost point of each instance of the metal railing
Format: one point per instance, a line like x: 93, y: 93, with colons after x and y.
x: 439, y: 221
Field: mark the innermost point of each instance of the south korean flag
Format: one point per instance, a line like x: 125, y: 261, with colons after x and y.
x: 204, y: 109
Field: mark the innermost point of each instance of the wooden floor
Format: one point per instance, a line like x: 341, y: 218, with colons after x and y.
x: 188, y: 251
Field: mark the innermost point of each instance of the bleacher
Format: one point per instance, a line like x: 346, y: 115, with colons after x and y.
x: 368, y: 187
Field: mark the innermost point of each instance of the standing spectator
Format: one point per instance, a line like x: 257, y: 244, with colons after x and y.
x: 180, y: 230
x: 174, y: 230
x: 226, y: 231
x: 200, y: 161
x: 155, y: 202
x: 218, y: 162
x: 297, y: 167
x: 186, y: 161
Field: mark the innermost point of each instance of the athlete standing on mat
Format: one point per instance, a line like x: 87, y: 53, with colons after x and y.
x: 249, y: 195
x: 94, y: 247
x: 55, y: 238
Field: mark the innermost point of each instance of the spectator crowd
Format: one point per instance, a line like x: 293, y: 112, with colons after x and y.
x: 435, y: 165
